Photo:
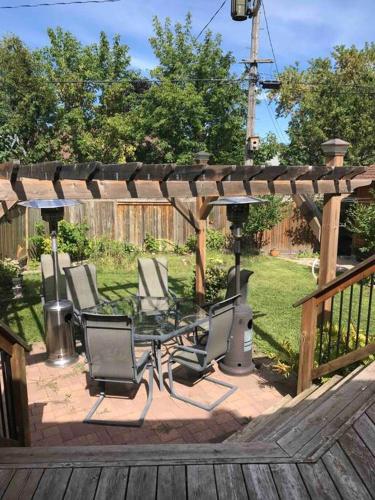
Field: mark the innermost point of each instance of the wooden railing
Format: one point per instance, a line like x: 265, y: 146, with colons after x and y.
x: 14, y: 414
x: 338, y: 324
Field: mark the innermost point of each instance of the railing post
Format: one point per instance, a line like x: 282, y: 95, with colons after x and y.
x: 18, y: 366
x: 307, y: 344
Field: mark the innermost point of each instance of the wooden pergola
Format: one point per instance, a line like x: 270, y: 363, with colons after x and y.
x: 204, y: 182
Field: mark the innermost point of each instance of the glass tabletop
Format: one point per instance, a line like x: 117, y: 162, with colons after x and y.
x: 155, y: 317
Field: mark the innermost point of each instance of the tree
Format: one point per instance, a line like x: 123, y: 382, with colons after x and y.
x: 198, y: 104
x: 95, y: 89
x: 269, y: 148
x: 332, y: 97
x: 27, y: 103
x: 361, y: 221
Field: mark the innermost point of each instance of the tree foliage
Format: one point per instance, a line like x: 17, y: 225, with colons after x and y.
x: 361, y: 221
x: 332, y: 97
x: 81, y: 102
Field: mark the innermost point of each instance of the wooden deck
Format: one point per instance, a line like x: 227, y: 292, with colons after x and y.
x: 328, y: 452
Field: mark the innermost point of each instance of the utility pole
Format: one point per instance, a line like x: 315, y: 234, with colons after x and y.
x: 251, y: 141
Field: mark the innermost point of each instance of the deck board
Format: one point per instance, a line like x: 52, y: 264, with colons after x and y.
x: 112, y: 483
x: 371, y: 413
x: 360, y: 456
x: 53, y: 484
x: 171, y: 482
x: 289, y: 483
x: 230, y: 482
x: 344, y: 475
x: 201, y: 482
x: 23, y: 484
x: 142, y: 483
x: 258, y: 478
x: 318, y: 482
x: 366, y: 429
x: 5, y: 478
x: 83, y: 484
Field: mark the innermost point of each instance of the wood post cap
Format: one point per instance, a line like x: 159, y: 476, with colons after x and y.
x: 335, y: 147
x: 202, y: 157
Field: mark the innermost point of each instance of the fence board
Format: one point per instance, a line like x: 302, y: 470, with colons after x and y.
x: 131, y: 220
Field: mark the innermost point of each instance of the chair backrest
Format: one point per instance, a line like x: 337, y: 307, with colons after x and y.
x: 48, y: 281
x: 153, y: 277
x: 244, y: 282
x: 110, y: 347
x: 81, y: 286
x: 221, y: 317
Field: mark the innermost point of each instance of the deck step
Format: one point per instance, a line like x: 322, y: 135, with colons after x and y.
x: 300, y: 406
x: 323, y: 419
x: 245, y: 434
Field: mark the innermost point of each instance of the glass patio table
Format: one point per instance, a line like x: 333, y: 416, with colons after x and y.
x: 156, y: 320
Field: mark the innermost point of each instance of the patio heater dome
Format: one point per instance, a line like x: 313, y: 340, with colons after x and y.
x: 58, y: 313
x: 238, y: 359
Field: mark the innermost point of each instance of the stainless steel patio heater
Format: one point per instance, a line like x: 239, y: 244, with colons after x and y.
x: 238, y: 359
x: 58, y: 313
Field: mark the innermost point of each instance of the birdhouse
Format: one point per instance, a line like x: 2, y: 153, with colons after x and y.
x: 253, y: 142
x: 239, y: 10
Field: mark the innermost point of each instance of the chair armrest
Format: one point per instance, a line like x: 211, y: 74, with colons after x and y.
x: 143, y: 359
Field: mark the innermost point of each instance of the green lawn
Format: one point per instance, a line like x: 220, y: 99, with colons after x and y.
x: 275, y: 285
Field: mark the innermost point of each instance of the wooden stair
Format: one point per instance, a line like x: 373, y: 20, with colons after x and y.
x: 304, y: 424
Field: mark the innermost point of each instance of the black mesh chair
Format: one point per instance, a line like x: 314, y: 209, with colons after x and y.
x: 199, y: 358
x: 111, y: 356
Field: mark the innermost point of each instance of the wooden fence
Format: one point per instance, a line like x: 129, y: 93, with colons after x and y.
x: 132, y: 220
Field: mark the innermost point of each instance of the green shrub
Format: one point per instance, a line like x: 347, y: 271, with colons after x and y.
x: 215, y: 240
x: 265, y: 216
x: 9, y: 269
x: 73, y: 239
x: 216, y: 281
x: 361, y: 221
x: 154, y: 245
x: 40, y: 243
x: 111, y: 251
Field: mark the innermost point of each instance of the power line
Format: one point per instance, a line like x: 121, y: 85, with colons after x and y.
x: 210, y: 21
x: 52, y: 4
x: 270, y: 40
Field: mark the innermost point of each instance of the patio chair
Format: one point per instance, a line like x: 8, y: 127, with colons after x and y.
x: 111, y: 357
x: 153, y: 282
x: 82, y: 289
x: 200, y: 358
x: 48, y: 281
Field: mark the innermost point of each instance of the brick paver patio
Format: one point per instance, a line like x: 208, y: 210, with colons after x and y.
x: 60, y: 398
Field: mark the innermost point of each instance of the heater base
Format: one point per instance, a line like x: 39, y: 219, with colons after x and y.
x: 236, y: 371
x: 62, y: 362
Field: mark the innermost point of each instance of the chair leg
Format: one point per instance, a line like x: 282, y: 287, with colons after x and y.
x: 203, y: 406
x: 121, y: 423
x: 159, y: 367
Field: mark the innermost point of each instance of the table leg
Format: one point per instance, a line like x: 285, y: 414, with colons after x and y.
x: 157, y: 348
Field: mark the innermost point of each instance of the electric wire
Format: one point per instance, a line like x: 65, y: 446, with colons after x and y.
x: 210, y: 21
x: 52, y: 4
x: 270, y: 40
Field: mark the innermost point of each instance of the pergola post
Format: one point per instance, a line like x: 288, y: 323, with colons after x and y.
x: 334, y: 150
x: 201, y: 158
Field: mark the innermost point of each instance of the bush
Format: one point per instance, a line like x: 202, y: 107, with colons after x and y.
x: 72, y: 239
x: 154, y: 245
x: 111, y: 251
x: 9, y: 269
x: 40, y: 243
x: 265, y: 216
x: 216, y: 281
x: 361, y: 221
x: 215, y: 240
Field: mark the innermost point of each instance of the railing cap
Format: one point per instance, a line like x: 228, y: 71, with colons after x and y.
x: 12, y: 337
x: 350, y: 273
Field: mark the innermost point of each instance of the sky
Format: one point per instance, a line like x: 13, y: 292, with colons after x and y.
x: 299, y: 29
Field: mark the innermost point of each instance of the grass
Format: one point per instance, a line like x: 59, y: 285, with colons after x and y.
x: 275, y: 285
